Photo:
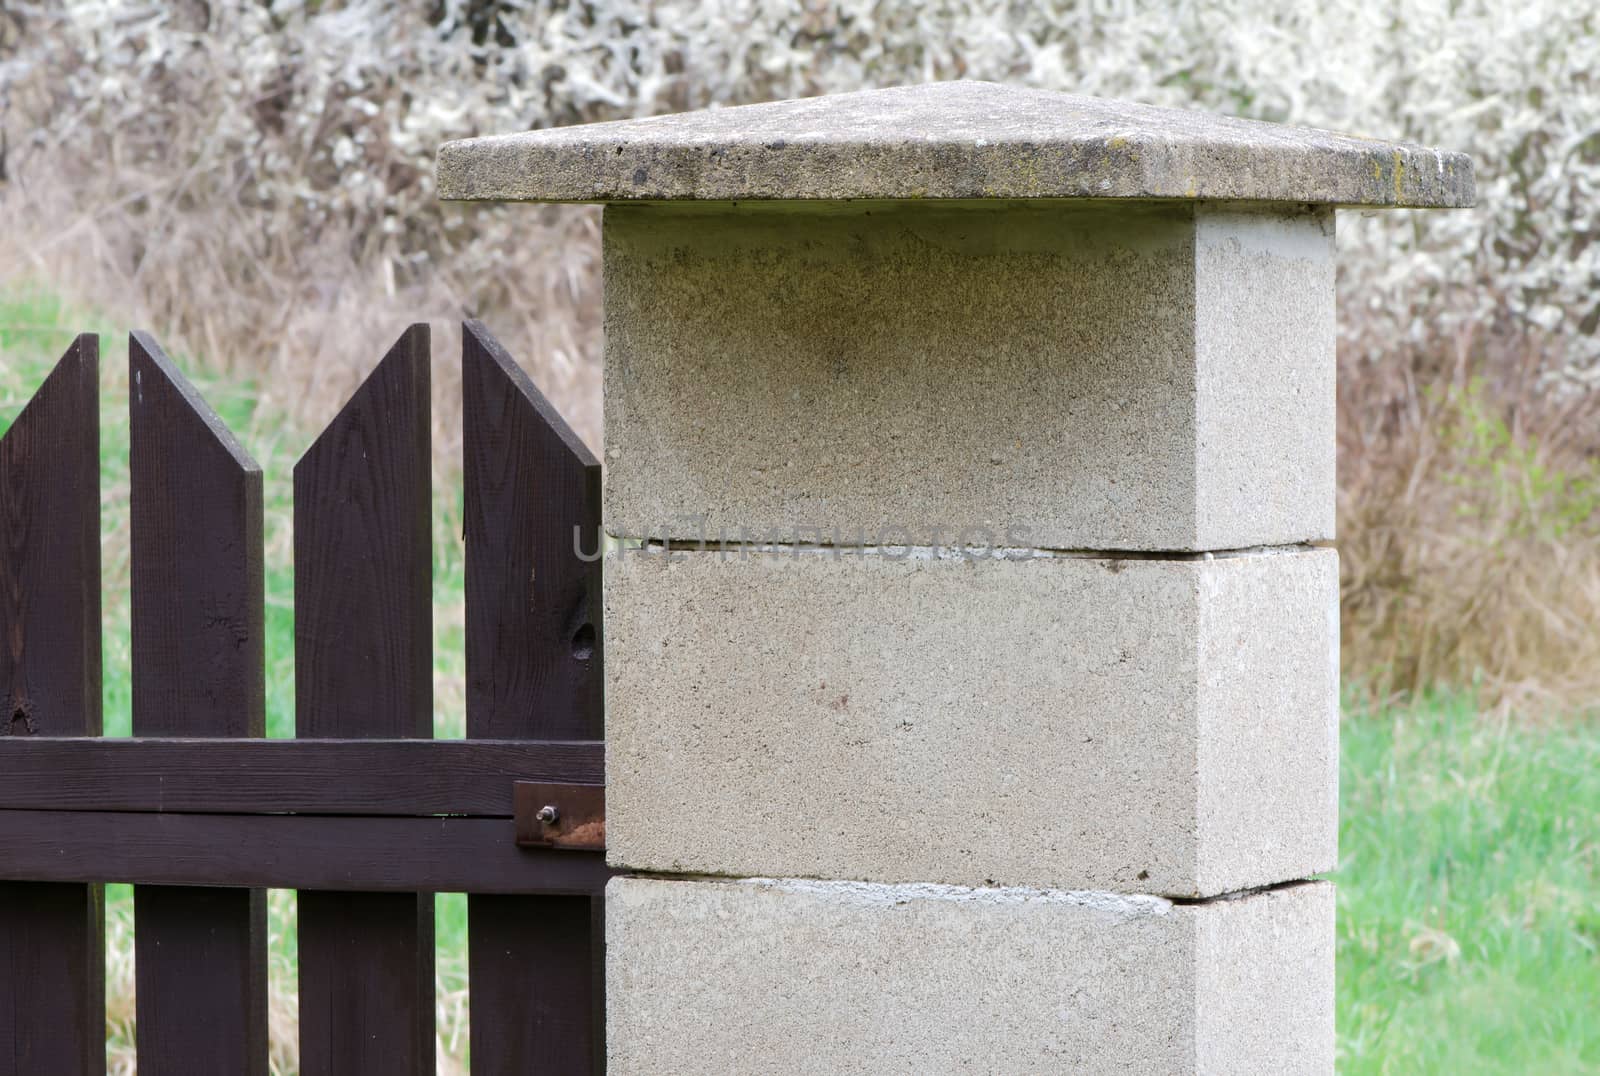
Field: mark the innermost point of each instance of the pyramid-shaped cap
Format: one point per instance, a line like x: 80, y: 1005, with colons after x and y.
x: 950, y: 140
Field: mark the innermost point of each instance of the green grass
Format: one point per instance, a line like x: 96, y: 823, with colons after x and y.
x: 1469, y: 883
x: 1469, y: 893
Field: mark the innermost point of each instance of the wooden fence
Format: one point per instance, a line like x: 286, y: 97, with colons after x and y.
x: 362, y: 813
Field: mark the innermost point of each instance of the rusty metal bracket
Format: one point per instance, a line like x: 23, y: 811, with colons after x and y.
x: 560, y: 816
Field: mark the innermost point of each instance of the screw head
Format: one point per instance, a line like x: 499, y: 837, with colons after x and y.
x: 548, y: 814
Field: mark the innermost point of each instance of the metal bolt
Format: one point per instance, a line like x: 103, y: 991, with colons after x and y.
x: 548, y: 814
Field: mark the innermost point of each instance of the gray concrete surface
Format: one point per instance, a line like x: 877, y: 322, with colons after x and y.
x: 784, y: 977
x: 950, y: 140
x: 1091, y: 377
x: 1133, y: 725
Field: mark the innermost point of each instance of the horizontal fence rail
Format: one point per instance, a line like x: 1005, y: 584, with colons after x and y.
x: 467, y: 778
x: 363, y: 813
x: 380, y: 855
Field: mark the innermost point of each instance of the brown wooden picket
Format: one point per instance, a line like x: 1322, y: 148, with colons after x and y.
x: 363, y: 637
x: 532, y: 501
x: 199, y: 668
x: 52, y: 964
x: 363, y: 812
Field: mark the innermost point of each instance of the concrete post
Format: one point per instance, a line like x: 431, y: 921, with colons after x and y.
x: 972, y: 689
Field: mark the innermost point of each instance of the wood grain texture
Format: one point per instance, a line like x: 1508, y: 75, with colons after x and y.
x: 380, y: 855
x: 532, y: 490
x: 198, y: 642
x: 363, y: 563
x: 198, y: 670
x: 378, y: 1020
x: 52, y: 997
x: 535, y: 643
x: 50, y: 555
x: 534, y: 984
x: 469, y: 778
x: 200, y: 960
x: 52, y: 978
x: 363, y: 559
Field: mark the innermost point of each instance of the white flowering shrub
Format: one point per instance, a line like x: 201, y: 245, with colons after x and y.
x: 317, y: 122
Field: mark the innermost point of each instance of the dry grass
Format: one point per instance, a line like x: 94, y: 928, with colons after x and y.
x: 208, y: 200
x: 1469, y: 537
x: 305, y: 326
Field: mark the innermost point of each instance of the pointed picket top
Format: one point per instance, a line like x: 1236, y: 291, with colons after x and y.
x: 50, y: 554
x: 479, y: 346
x: 63, y: 399
x: 390, y: 386
x: 950, y: 140
x: 363, y: 558
x: 532, y: 501
x: 149, y: 364
x: 199, y: 653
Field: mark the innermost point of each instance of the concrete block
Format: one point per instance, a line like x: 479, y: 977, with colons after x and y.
x: 1138, y: 725
x: 802, y: 977
x: 1133, y: 377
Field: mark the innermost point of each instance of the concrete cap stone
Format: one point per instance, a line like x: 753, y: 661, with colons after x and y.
x: 950, y: 140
